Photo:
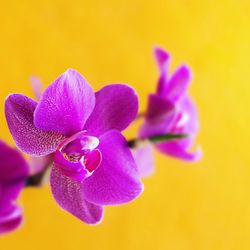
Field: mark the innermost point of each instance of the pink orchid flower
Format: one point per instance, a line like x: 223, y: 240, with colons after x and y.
x: 93, y: 165
x: 170, y: 110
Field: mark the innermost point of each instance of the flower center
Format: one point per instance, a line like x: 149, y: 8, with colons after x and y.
x: 78, y: 156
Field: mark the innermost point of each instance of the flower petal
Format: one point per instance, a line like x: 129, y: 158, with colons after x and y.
x: 65, y: 105
x: 186, y: 123
x: 176, y: 150
x: 162, y: 85
x: 158, y: 106
x: 9, y: 192
x: 69, y: 195
x: 186, y: 106
x: 13, y: 167
x: 159, y: 126
x: 144, y: 159
x: 178, y: 84
x: 162, y: 58
x: 10, y: 220
x: 19, y: 111
x: 116, y: 181
x: 116, y: 107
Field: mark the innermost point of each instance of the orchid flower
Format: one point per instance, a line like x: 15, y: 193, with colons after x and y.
x: 171, y: 110
x: 13, y: 175
x: 93, y: 165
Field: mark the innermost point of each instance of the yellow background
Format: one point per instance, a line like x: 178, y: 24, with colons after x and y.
x: 204, y: 206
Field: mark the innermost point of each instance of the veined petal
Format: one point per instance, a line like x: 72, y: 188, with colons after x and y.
x: 116, y: 181
x: 19, y: 111
x: 65, y: 105
x: 69, y: 195
x: 116, y: 107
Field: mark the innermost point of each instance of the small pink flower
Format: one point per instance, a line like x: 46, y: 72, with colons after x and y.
x: 170, y: 110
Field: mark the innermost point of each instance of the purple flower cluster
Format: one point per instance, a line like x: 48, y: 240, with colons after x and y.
x: 79, y: 133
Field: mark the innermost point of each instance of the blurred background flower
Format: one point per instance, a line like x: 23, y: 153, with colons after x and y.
x: 200, y: 206
x: 14, y: 171
x: 172, y: 110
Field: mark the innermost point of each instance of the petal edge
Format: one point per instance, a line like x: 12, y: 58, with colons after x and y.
x: 69, y: 195
x: 117, y: 180
x: 116, y: 107
x: 65, y: 105
x: 19, y: 110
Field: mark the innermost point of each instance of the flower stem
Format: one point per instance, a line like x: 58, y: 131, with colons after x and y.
x: 156, y: 139
x: 35, y: 180
x: 40, y: 178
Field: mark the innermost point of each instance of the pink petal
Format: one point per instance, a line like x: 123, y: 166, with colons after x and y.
x: 158, y: 107
x: 65, y: 105
x: 19, y: 111
x: 9, y: 192
x: 69, y: 195
x: 116, y: 107
x: 13, y: 167
x: 187, y: 106
x: 159, y: 126
x: 144, y: 159
x: 116, y: 181
x: 10, y: 220
x: 174, y: 149
x: 178, y: 84
x: 162, y: 59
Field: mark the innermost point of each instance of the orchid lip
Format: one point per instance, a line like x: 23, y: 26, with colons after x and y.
x: 78, y: 156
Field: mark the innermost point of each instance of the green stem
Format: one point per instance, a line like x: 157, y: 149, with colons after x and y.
x: 166, y: 137
x: 156, y: 139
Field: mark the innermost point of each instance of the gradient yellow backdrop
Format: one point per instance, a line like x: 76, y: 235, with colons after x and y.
x: 203, y: 206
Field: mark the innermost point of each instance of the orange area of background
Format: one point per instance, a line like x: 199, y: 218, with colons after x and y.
x: 203, y: 206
